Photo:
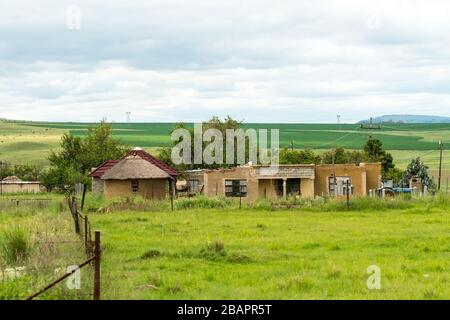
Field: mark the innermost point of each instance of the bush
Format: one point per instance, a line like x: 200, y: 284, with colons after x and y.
x: 203, y: 202
x: 364, y: 204
x: 15, y: 246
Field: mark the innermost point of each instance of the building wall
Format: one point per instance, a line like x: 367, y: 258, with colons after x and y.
x: 356, y: 173
x: 257, y: 187
x: 214, y: 181
x: 195, y: 175
x: 20, y: 188
x: 363, y: 178
x: 148, y: 188
x: 98, y: 185
x: 266, y: 189
x: 307, y: 188
x: 373, y: 175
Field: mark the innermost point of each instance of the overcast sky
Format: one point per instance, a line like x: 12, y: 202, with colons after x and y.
x: 260, y: 61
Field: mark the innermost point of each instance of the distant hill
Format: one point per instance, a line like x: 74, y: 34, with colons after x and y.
x: 408, y: 118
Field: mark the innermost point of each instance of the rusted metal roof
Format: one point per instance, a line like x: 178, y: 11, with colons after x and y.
x: 105, y: 166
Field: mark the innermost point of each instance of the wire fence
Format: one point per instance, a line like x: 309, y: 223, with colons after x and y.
x: 92, y: 247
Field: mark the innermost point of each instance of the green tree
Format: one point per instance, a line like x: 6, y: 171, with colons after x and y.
x: 342, y: 156
x: 79, y: 155
x: 416, y: 168
x: 375, y: 153
x: 24, y: 172
x: 213, y: 123
x: 307, y: 156
x: 396, y: 175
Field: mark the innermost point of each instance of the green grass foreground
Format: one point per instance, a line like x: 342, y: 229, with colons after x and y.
x: 282, y: 254
x: 208, y: 248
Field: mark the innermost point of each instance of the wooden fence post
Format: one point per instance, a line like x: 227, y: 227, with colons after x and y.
x: 84, y: 196
x: 97, y: 252
x: 74, y: 212
x: 86, y: 234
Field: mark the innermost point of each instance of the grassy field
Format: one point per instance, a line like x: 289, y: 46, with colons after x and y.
x: 214, y: 250
x: 262, y: 254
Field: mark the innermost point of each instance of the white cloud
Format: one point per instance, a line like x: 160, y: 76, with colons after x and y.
x: 271, y: 61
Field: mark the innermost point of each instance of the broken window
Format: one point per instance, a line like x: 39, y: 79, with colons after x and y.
x: 236, y: 188
x: 193, y: 185
x: 339, y: 188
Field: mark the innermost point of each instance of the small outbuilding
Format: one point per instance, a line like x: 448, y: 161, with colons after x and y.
x: 138, y: 173
x: 14, y: 184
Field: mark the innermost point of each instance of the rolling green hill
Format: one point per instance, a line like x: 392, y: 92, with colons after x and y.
x: 30, y: 142
x: 315, y: 136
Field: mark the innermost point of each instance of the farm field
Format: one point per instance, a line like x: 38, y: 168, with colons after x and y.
x: 259, y: 254
x: 315, y: 136
x: 30, y: 142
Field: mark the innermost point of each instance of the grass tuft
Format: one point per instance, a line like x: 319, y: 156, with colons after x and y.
x: 15, y: 246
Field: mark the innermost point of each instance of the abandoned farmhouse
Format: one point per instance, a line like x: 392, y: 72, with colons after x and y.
x: 142, y: 174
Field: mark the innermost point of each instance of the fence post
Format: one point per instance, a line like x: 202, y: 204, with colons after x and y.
x: 86, y: 231
x: 97, y: 252
x: 84, y: 196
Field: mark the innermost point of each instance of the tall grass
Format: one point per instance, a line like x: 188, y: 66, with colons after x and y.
x: 138, y: 203
x: 42, y: 242
x: 100, y: 204
x: 20, y: 206
x: 15, y: 246
x: 204, y: 203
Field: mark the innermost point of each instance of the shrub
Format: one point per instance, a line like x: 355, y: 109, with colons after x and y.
x: 203, y: 202
x: 15, y: 246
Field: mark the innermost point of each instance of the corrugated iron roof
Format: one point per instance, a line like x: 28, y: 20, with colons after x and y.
x: 105, y: 166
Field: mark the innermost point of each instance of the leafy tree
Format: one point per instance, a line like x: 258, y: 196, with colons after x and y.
x: 396, y: 175
x: 22, y: 171
x: 79, y: 155
x: 307, y: 156
x: 213, y: 123
x: 416, y: 168
x: 375, y: 153
x: 342, y: 156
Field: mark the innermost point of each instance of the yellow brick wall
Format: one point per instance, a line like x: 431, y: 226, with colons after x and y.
x: 215, y: 182
x: 357, y: 174
x: 373, y: 175
x: 151, y: 188
x: 307, y: 188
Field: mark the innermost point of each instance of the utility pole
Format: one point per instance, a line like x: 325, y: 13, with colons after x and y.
x: 441, y: 149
